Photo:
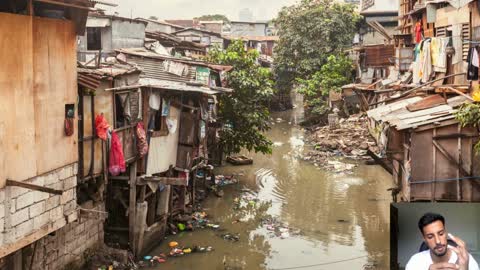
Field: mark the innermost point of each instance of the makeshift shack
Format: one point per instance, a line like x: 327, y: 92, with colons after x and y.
x: 433, y: 155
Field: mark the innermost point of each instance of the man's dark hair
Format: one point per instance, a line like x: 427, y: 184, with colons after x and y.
x: 429, y: 218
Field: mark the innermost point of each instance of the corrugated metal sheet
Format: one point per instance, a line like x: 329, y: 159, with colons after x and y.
x: 398, y: 116
x: 153, y: 68
x: 379, y: 55
x: 426, y: 103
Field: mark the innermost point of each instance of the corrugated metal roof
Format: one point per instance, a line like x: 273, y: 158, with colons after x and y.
x: 153, y: 68
x: 184, y: 87
x: 426, y: 103
x: 92, y: 77
x: 397, y: 115
x: 253, y: 38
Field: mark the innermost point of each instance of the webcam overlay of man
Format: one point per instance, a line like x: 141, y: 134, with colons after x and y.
x: 442, y: 251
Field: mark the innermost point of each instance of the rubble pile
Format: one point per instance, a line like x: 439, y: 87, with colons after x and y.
x: 350, y: 139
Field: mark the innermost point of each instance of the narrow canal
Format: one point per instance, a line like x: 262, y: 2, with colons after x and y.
x: 335, y: 221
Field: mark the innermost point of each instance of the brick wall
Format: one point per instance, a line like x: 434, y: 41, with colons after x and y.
x: 30, y: 215
x: 65, y: 248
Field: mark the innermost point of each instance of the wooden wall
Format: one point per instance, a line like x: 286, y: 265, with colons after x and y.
x: 428, y: 163
x: 55, y: 84
x: 37, y: 79
x: 17, y: 125
x: 103, y: 104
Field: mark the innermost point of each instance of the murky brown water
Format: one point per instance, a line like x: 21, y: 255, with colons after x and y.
x: 340, y: 217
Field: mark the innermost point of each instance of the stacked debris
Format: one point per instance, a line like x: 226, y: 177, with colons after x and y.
x: 349, y: 139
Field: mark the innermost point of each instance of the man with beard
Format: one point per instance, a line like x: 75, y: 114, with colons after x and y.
x: 440, y: 255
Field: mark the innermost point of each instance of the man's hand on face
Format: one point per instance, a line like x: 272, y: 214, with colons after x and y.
x: 461, y: 250
x: 444, y: 266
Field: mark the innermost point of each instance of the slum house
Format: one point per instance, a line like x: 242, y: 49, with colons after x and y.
x: 448, y: 59
x: 373, y: 55
x: 263, y: 44
x: 432, y: 154
x: 177, y: 113
x: 212, y: 26
x: 375, y: 69
x: 105, y: 33
x: 160, y: 26
x: 41, y: 225
x: 204, y: 37
x: 185, y: 23
x: 176, y: 46
x: 377, y: 14
x: 107, y: 119
x: 241, y: 28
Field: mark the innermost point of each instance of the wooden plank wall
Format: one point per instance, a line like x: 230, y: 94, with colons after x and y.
x: 37, y: 79
x: 429, y: 163
x: 17, y: 127
x: 103, y: 104
x: 55, y: 84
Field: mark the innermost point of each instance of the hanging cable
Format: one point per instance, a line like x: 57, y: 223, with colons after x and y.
x: 320, y: 264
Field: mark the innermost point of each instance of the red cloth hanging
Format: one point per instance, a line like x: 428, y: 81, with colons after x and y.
x: 418, y: 32
x: 117, y: 160
x: 142, y: 145
x: 101, y: 126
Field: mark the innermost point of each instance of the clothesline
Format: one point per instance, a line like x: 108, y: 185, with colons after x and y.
x: 471, y: 41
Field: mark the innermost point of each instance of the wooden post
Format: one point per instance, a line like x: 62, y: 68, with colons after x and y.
x: 434, y: 173
x: 141, y: 218
x: 30, y: 8
x: 132, y: 205
x: 459, y: 163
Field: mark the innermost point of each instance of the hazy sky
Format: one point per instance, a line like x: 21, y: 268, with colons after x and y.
x: 187, y: 9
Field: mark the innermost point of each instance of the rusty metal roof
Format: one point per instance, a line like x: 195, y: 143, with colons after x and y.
x: 142, y: 52
x: 426, y: 103
x: 397, y: 115
x: 252, y: 38
x: 174, y: 86
x: 91, y: 77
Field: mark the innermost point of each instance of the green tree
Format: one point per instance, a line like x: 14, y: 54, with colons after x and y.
x: 245, y: 111
x: 335, y: 73
x: 214, y: 17
x: 469, y: 115
x: 309, y: 32
x: 153, y: 18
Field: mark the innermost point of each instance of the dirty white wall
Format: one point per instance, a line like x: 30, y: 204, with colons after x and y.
x: 248, y: 29
x: 163, y: 150
x: 127, y: 34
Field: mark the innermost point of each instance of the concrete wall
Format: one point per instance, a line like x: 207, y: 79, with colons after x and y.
x: 65, y: 249
x: 29, y: 215
x: 462, y: 220
x: 127, y: 34
x: 381, y: 5
x: 374, y: 37
x: 158, y: 27
x: 248, y: 29
x: 121, y: 34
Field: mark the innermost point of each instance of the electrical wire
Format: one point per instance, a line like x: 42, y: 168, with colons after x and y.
x: 320, y: 264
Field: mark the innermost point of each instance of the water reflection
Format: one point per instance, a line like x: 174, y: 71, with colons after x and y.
x: 340, y: 217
